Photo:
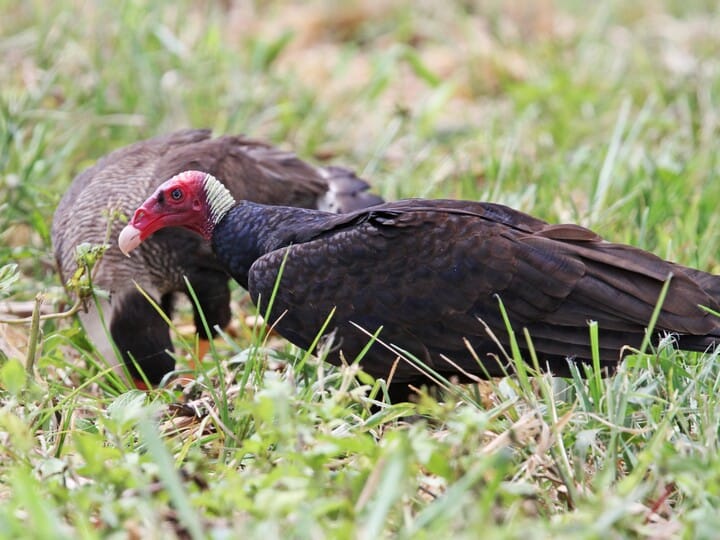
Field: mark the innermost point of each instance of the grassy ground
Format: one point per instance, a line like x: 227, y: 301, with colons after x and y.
x: 605, y: 115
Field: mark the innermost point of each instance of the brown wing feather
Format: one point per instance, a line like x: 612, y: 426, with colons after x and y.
x: 427, y: 270
x: 251, y: 170
x: 125, y: 178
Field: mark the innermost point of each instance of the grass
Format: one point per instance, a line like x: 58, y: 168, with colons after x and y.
x: 605, y: 115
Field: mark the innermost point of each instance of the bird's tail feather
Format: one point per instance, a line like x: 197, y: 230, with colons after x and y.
x: 708, y: 342
x: 710, y: 283
x: 346, y: 192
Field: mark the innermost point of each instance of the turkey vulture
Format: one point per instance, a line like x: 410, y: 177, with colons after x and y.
x: 425, y: 271
x: 123, y: 179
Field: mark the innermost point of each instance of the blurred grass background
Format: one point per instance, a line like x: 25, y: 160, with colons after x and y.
x: 604, y: 114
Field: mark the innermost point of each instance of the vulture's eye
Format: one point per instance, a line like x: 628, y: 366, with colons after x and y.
x: 176, y: 194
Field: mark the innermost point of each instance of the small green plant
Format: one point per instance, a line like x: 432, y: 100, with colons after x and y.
x: 8, y: 275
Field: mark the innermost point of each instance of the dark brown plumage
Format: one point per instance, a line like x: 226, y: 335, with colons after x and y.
x: 123, y: 179
x: 427, y: 270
